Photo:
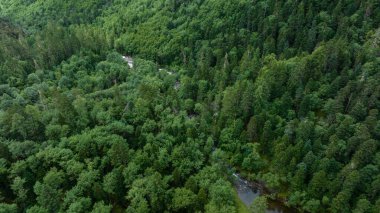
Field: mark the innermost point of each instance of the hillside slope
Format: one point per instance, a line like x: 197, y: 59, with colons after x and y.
x: 286, y: 92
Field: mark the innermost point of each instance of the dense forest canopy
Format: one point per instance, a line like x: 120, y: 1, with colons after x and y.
x: 285, y: 92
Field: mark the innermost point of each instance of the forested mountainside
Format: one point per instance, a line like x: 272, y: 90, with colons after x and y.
x: 285, y: 92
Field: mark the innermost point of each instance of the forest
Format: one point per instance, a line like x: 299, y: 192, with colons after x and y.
x: 284, y: 92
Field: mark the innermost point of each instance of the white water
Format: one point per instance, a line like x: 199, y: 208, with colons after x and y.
x: 247, y: 194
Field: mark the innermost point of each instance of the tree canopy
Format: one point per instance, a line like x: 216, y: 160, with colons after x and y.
x: 285, y: 92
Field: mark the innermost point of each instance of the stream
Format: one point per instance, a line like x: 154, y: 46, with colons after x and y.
x: 247, y: 192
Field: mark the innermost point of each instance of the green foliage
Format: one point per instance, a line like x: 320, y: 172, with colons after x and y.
x: 259, y: 205
x: 8, y: 208
x: 284, y: 91
x: 184, y: 199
